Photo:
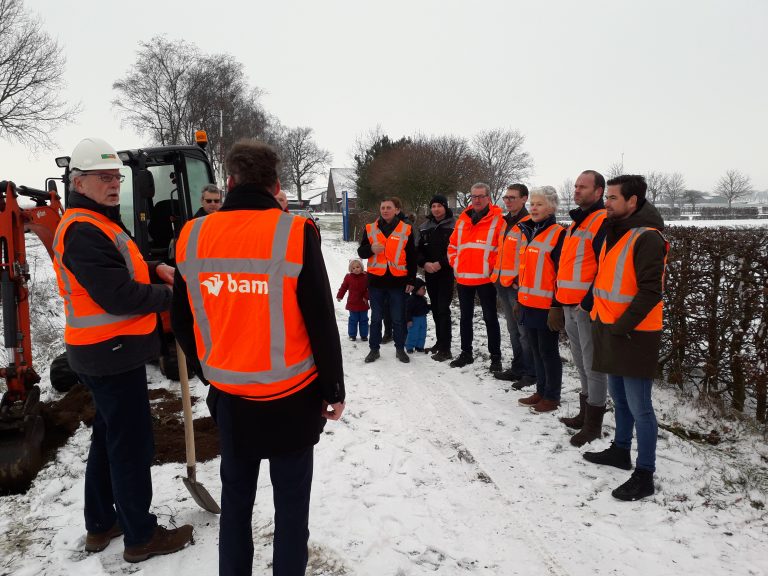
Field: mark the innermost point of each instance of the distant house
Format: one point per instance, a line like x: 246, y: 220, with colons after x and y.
x: 340, y: 180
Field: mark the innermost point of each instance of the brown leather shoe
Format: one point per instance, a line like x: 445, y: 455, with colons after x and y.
x: 163, y: 541
x: 545, y: 405
x: 97, y: 541
x: 530, y: 400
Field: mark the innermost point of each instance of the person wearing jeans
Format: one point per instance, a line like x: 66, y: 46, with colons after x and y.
x: 627, y: 322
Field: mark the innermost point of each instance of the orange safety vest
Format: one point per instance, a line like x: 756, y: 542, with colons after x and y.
x: 616, y: 284
x: 473, y: 248
x: 578, y: 261
x: 86, y: 321
x: 242, y: 268
x: 393, y: 256
x: 512, y: 244
x: 537, y: 271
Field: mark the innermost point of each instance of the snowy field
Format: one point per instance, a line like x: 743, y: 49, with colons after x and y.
x: 434, y: 470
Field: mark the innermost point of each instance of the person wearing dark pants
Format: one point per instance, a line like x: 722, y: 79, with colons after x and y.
x: 392, y: 299
x: 627, y: 321
x: 434, y: 236
x: 272, y: 388
x: 486, y: 293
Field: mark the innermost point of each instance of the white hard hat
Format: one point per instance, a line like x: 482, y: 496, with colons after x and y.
x: 94, y: 154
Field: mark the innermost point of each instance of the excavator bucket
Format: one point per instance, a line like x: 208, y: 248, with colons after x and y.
x: 21, y: 437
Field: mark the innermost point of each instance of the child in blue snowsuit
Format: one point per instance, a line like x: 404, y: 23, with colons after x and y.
x: 416, y: 309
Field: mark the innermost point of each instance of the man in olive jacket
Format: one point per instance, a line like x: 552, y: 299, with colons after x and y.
x: 627, y: 317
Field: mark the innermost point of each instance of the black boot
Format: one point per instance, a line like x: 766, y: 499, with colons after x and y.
x: 373, y: 355
x: 577, y: 421
x: 612, y: 456
x: 510, y: 375
x: 463, y: 359
x: 402, y: 356
x: 639, y: 485
x: 495, y: 364
x: 442, y: 355
x: 593, y: 426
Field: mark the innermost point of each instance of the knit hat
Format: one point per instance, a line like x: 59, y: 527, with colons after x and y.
x: 418, y: 283
x: 440, y: 199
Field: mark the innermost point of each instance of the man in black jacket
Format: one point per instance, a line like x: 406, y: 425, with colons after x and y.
x: 210, y: 201
x: 432, y: 253
x: 283, y: 427
x: 111, y: 308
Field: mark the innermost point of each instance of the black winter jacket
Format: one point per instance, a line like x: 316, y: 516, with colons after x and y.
x: 100, y: 268
x: 415, y: 305
x: 434, y: 237
x: 294, y: 422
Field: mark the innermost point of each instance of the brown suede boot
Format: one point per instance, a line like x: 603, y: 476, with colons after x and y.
x: 577, y: 421
x: 593, y: 426
x: 163, y: 541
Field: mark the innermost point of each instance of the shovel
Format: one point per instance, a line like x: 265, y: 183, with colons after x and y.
x: 197, y: 490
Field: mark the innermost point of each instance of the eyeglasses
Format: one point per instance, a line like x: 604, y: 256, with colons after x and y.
x: 212, y: 201
x: 510, y: 198
x: 106, y: 178
x: 477, y: 196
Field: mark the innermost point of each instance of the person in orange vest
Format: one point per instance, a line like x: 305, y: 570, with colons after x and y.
x: 388, y: 245
x: 537, y: 306
x: 111, y: 307
x: 513, y: 238
x: 472, y: 252
x: 627, y: 316
x: 578, y: 266
x: 254, y: 312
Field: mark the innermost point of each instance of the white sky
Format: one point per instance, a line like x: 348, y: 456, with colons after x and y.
x: 674, y: 86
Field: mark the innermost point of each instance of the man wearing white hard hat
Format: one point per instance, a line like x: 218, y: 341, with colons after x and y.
x: 111, y: 310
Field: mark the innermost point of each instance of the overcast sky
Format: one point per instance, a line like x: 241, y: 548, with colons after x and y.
x: 673, y: 85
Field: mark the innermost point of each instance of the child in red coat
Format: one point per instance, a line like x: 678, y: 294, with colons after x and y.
x: 356, y: 282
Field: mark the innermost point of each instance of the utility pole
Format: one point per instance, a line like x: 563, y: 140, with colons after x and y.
x: 221, y: 151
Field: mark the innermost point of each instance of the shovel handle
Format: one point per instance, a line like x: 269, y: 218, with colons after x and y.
x: 186, y: 402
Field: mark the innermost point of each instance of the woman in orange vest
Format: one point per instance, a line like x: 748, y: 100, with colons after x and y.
x: 389, y: 247
x: 536, y: 298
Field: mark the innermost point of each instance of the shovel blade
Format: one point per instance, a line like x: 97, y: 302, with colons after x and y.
x: 201, y: 496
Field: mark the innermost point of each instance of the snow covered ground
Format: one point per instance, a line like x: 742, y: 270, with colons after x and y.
x: 439, y: 470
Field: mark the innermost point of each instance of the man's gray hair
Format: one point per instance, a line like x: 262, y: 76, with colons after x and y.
x: 211, y: 188
x: 482, y: 185
x: 548, y: 193
x: 72, y: 175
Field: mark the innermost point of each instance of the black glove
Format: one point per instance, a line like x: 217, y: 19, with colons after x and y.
x: 555, y: 319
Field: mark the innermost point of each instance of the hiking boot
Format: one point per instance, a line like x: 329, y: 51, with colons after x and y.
x: 509, y: 375
x: 593, y: 426
x: 387, y: 338
x: 462, y: 360
x: 639, y: 485
x: 353, y: 338
x: 577, y: 421
x: 531, y: 400
x: 373, y: 355
x: 163, y: 541
x: 402, y: 356
x: 364, y: 338
x: 97, y: 541
x: 611, y: 456
x: 546, y: 405
x: 523, y: 382
x: 495, y: 364
x: 442, y: 355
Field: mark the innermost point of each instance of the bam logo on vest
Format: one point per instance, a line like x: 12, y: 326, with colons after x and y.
x: 216, y: 282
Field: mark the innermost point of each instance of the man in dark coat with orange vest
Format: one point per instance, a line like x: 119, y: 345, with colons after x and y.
x: 627, y: 317
x: 254, y: 310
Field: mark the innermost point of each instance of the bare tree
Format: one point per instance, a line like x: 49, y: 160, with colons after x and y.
x: 693, y: 197
x: 734, y: 186
x: 566, y: 194
x: 674, y: 188
x: 504, y: 161
x: 31, y: 79
x: 302, y: 157
x: 615, y: 169
x: 657, y: 182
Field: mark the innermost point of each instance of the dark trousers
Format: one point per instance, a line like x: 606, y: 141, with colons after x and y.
x: 118, y: 482
x: 291, y: 476
x: 487, y: 295
x: 546, y: 360
x: 440, y: 290
x: 377, y: 298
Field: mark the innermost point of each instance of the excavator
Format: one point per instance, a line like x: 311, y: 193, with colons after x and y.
x: 161, y: 191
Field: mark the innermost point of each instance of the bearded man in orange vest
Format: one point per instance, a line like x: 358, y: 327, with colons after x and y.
x: 472, y: 252
x: 627, y: 317
x: 111, y: 307
x: 253, y: 309
x: 578, y: 266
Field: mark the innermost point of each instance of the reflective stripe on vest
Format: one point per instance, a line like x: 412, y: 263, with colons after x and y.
x: 578, y: 264
x: 616, y: 284
x: 487, y: 247
x: 537, y: 277
x: 393, y: 256
x: 86, y: 321
x: 281, y: 268
x: 512, y: 243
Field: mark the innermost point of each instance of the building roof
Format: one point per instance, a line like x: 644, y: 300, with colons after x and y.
x: 343, y: 179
